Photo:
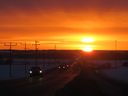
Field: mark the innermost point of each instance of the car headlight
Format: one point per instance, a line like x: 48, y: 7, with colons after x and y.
x: 40, y: 71
x: 30, y: 72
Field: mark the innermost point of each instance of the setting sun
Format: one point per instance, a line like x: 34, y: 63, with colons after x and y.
x: 87, y: 49
x: 88, y: 40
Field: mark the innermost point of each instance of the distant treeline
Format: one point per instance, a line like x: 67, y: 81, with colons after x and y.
x: 107, y: 55
x: 64, y: 54
x: 40, y: 54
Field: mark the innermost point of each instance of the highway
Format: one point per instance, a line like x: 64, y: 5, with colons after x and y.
x: 83, y: 82
x: 46, y: 86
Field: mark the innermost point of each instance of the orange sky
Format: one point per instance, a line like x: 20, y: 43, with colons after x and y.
x: 64, y: 20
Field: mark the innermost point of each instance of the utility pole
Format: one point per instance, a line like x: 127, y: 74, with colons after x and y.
x: 36, y: 52
x: 25, y: 53
x: 55, y: 46
x: 55, y: 53
x: 115, y: 52
x: 10, y: 44
x: 25, y: 50
x: 115, y: 45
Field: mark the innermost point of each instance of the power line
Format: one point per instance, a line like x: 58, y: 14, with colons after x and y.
x: 10, y: 44
x: 36, y: 51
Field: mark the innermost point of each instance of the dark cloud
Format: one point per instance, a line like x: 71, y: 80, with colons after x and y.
x: 65, y: 30
x: 64, y: 4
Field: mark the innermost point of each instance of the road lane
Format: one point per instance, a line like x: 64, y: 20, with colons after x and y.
x: 86, y: 82
x: 90, y: 83
x: 47, y: 86
x: 82, y: 85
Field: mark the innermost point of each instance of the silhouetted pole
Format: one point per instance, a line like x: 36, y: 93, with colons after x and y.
x: 55, y: 46
x: 25, y: 49
x: 25, y: 53
x: 116, y: 52
x: 55, y: 53
x: 36, y: 51
x: 115, y: 45
x: 10, y: 44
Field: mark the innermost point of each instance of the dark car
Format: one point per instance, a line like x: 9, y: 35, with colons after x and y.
x: 64, y: 66
x: 35, y: 72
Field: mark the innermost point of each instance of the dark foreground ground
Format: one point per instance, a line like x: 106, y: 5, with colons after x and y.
x: 82, y: 85
x: 83, y: 82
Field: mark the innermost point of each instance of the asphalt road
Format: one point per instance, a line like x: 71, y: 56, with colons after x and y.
x: 46, y: 86
x: 91, y: 82
x: 84, y: 82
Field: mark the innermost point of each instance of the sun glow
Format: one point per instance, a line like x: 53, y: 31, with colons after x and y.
x: 87, y: 49
x: 88, y: 40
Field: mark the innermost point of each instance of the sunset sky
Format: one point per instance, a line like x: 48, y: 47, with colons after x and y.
x: 69, y: 20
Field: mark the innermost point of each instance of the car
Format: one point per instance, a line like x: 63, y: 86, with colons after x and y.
x: 35, y: 72
x: 64, y: 66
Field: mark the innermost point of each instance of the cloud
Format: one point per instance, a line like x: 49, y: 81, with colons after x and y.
x: 22, y: 18
x: 65, y: 5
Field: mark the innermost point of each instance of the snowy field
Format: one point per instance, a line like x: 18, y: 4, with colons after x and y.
x: 18, y: 67
x: 115, y: 71
x: 119, y: 73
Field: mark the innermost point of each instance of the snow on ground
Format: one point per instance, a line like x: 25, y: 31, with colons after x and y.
x: 18, y: 71
x: 18, y: 67
x: 120, y: 73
